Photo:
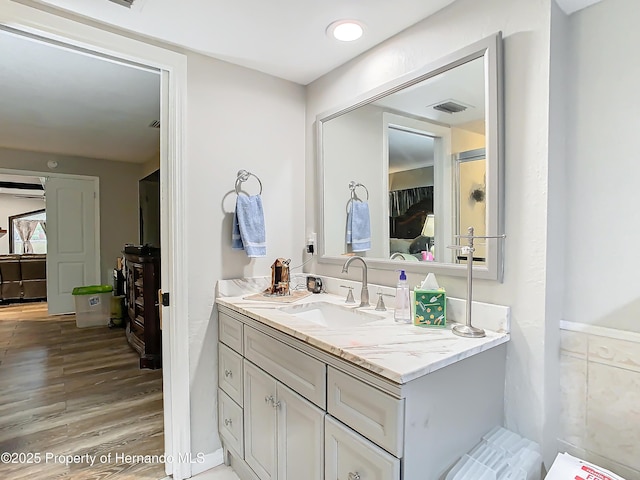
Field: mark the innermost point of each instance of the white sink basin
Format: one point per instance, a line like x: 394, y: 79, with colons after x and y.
x: 331, y: 315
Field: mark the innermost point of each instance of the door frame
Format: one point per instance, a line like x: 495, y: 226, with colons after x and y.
x: 63, y: 28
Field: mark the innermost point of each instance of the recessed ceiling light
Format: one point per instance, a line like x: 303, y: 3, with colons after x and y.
x: 345, y: 30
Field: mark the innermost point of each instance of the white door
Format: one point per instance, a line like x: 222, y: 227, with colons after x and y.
x: 300, y: 437
x: 73, y: 258
x: 259, y: 422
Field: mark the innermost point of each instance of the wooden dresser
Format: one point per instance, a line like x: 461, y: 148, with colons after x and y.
x: 143, y: 319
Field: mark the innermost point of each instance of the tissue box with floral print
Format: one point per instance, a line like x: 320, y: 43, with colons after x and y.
x: 430, y: 308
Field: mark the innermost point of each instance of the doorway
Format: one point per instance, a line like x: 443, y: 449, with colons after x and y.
x: 52, y: 28
x: 68, y: 256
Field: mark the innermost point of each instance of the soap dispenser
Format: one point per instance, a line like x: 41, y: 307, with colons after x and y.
x: 402, y: 313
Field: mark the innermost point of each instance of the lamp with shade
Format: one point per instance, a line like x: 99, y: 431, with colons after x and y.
x: 428, y: 230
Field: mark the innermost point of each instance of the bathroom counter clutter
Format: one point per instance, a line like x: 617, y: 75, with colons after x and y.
x: 398, y: 352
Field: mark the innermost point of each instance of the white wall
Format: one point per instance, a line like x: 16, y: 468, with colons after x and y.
x: 118, y: 196
x: 526, y: 29
x: 11, y: 205
x: 353, y: 143
x: 237, y: 119
x: 603, y: 125
x: 556, y: 219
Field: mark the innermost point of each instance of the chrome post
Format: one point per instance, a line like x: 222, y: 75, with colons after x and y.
x: 468, y: 330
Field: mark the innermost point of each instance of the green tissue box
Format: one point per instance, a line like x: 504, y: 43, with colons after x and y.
x: 430, y: 308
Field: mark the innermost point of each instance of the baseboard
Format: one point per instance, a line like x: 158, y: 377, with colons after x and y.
x: 241, y: 468
x: 211, y: 460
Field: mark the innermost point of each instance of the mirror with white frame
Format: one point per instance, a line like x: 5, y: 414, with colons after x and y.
x: 404, y: 169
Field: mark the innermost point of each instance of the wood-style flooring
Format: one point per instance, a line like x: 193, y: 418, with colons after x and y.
x: 74, y: 391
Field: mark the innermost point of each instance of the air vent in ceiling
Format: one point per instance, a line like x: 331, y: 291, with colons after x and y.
x: 450, y: 106
x: 124, y: 3
x: 155, y: 124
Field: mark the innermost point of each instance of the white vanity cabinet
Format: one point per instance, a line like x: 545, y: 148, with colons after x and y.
x: 296, y: 411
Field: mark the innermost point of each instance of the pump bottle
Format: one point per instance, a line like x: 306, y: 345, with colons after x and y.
x: 402, y: 313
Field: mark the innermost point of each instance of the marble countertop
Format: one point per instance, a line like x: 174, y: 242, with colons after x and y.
x: 398, y: 352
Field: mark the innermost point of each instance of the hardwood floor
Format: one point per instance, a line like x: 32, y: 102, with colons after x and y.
x: 75, y: 391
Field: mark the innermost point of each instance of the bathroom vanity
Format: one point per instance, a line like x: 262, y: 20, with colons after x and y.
x: 304, y: 397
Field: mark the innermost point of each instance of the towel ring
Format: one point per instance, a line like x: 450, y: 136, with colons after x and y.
x: 243, y: 176
x: 353, y: 185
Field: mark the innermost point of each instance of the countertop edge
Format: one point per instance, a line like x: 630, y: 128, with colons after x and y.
x: 354, y: 358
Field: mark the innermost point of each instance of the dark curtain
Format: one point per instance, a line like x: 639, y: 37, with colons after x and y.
x: 401, y: 200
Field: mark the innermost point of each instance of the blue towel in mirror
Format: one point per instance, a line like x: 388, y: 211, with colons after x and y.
x: 248, y: 226
x: 358, y: 226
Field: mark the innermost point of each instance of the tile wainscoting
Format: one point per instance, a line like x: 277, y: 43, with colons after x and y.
x: 600, y: 395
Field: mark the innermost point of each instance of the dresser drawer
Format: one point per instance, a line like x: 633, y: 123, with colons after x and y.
x: 230, y: 332
x: 369, y: 411
x: 230, y: 423
x: 348, y: 456
x: 299, y: 371
x: 230, y: 372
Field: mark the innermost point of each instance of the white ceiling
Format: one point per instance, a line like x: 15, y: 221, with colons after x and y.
x: 59, y: 101
x: 572, y: 6
x: 284, y: 38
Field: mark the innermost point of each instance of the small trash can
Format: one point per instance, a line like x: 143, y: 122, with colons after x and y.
x: 93, y: 305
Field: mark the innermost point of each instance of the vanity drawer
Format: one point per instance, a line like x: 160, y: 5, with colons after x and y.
x: 230, y: 372
x: 230, y: 423
x: 230, y: 332
x: 371, y: 412
x: 348, y: 456
x: 297, y: 370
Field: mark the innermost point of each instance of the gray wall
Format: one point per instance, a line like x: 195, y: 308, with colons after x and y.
x: 603, y: 124
x: 418, y: 177
x: 118, y: 196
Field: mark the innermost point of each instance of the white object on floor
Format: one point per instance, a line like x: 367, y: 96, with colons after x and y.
x: 566, y: 467
x: 501, y: 455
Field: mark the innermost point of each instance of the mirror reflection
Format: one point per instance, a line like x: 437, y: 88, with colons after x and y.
x: 419, y: 154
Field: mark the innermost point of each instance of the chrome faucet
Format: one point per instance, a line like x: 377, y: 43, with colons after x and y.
x: 364, y: 293
x: 397, y: 255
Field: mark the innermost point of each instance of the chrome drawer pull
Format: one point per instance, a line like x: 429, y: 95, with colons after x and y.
x: 227, y: 422
x: 228, y: 373
x: 354, y: 476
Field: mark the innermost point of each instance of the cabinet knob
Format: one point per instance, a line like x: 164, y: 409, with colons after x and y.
x: 268, y: 399
x: 228, y: 373
x: 276, y: 404
x: 354, y: 476
x: 227, y: 422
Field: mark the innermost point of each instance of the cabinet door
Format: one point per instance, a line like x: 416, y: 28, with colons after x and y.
x: 300, y: 437
x: 349, y: 456
x: 259, y: 421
